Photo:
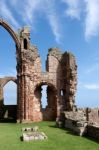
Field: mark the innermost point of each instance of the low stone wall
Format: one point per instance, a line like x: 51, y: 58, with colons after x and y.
x: 80, y: 122
x: 76, y: 122
x: 93, y: 115
x: 78, y: 128
x: 93, y: 131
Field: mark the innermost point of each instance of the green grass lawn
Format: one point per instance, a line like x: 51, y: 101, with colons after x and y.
x: 58, y: 139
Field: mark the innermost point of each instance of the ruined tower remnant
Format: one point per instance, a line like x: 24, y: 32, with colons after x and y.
x: 60, y: 78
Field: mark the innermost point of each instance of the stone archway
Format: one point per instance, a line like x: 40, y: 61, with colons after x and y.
x: 5, y: 80
x: 8, y: 112
x: 60, y: 76
x: 48, y: 113
x: 11, y: 32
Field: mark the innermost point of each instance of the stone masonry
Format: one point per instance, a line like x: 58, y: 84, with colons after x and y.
x: 60, y: 78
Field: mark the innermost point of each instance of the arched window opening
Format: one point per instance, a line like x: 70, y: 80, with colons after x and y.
x: 45, y: 100
x: 44, y: 96
x: 8, y: 43
x: 62, y: 93
x: 10, y: 93
x: 25, y: 43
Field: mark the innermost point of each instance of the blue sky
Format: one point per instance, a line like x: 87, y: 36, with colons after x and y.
x: 71, y: 25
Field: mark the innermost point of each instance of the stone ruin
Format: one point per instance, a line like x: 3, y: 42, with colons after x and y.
x: 82, y: 121
x: 61, y: 80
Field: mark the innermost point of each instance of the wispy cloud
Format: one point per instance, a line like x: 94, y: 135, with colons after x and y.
x: 86, y: 11
x: 38, y: 7
x: 93, y: 68
x: 53, y: 20
x: 73, y: 9
x: 31, y: 10
x: 88, y: 86
x: 90, y: 10
x: 7, y: 14
x: 54, y: 23
x: 91, y: 86
x: 92, y: 18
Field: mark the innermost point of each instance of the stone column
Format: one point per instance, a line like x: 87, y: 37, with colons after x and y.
x: 70, y: 80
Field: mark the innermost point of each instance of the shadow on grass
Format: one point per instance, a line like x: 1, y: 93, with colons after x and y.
x: 68, y: 131
x: 91, y: 139
x: 7, y: 120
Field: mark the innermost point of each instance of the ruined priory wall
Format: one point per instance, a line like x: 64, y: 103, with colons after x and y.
x: 37, y: 115
x: 54, y: 70
x: 69, y: 80
x: 93, y: 131
x: 93, y: 116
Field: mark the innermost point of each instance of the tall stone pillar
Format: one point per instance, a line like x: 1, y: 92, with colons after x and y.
x: 22, y: 108
x: 70, y: 80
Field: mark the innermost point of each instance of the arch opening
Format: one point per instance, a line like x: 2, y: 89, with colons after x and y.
x: 9, y: 108
x: 44, y: 102
x: 45, y: 96
x: 7, y: 27
x: 9, y: 41
x: 10, y: 93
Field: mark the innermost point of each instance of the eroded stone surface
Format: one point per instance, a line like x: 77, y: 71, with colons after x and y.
x: 60, y: 77
x: 83, y: 121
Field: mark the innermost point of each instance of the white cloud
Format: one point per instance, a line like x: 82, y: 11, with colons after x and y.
x: 88, y: 86
x: 92, y: 18
x: 74, y: 8
x: 33, y: 9
x: 7, y: 14
x: 54, y: 23
x: 91, y: 86
x: 93, y: 68
x: 90, y: 10
x: 53, y: 20
x: 30, y: 10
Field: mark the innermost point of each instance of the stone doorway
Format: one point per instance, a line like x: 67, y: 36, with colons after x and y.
x: 49, y: 112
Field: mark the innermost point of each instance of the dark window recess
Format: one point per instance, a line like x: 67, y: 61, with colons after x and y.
x: 25, y: 43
